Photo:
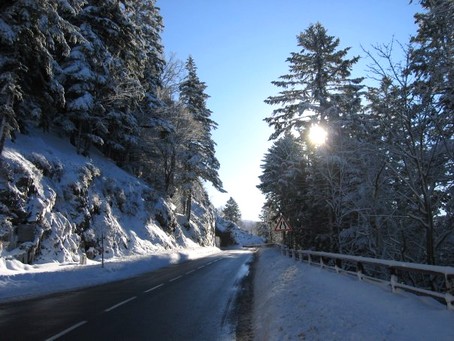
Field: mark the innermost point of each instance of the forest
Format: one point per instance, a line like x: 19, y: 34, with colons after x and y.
x: 382, y: 183
x: 95, y: 72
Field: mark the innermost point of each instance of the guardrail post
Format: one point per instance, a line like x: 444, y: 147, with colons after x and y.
x: 449, y: 283
x: 393, y: 281
x: 449, y: 301
x: 359, y: 271
x: 394, y: 268
x: 338, y: 265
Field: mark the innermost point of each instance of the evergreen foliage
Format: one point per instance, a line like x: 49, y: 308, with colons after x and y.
x: 382, y: 184
x: 317, y: 86
x: 232, y: 211
x: 199, y: 159
x: 94, y: 71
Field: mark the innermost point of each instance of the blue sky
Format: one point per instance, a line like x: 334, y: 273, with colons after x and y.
x: 240, y: 47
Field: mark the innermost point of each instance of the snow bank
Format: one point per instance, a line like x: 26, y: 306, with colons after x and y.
x: 20, y: 281
x: 296, y: 301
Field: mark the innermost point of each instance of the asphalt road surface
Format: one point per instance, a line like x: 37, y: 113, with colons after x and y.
x: 189, y: 301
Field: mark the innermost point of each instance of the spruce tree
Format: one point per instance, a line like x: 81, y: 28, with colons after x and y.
x: 317, y: 90
x: 33, y: 34
x: 103, y: 76
x: 317, y: 87
x: 232, y: 211
x: 413, y: 109
x: 199, y: 160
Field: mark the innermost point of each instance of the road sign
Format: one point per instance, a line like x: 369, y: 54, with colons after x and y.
x: 282, y: 225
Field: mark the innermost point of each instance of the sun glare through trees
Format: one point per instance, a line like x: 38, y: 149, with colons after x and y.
x: 317, y: 135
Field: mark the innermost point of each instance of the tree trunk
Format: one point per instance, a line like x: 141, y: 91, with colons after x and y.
x: 188, y: 206
x: 2, y: 133
x: 430, y: 251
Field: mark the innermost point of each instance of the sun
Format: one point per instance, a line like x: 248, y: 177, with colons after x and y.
x: 317, y: 135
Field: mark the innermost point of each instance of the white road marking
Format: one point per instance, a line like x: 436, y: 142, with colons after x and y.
x: 77, y: 325
x: 120, y: 304
x: 174, y: 279
x: 154, y: 288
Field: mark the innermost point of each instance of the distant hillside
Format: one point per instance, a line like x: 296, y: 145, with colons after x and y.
x: 56, y: 205
x: 231, y: 234
x: 249, y: 226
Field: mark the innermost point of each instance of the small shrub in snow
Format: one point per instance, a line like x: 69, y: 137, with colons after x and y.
x: 41, y: 163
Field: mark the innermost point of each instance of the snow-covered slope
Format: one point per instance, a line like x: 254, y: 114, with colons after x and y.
x: 232, y: 234
x: 56, y: 205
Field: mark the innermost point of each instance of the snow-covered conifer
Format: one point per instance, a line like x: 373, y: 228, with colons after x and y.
x: 200, y: 160
x: 313, y: 90
x: 33, y: 34
x: 232, y: 211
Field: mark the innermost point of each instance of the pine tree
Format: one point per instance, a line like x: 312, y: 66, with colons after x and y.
x: 318, y: 87
x: 318, y: 90
x: 199, y: 160
x: 285, y: 183
x: 103, y: 77
x: 415, y: 142
x: 85, y: 81
x: 432, y: 56
x: 147, y: 25
x: 232, y: 211
x: 32, y: 34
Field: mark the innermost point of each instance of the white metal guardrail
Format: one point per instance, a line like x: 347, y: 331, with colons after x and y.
x: 395, y: 269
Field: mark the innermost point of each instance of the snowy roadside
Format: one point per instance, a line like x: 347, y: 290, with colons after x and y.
x: 20, y: 281
x: 296, y: 301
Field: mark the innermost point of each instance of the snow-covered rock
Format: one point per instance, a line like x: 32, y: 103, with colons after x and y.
x: 56, y: 205
x: 231, y: 234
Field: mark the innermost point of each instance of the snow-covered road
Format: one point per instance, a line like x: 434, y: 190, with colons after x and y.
x: 188, y: 301
x: 293, y: 301
x: 296, y: 301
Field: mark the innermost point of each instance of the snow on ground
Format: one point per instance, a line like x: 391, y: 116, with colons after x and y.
x: 244, y: 238
x: 239, y: 236
x: 21, y: 281
x: 297, y: 301
x: 293, y: 300
x: 57, y: 205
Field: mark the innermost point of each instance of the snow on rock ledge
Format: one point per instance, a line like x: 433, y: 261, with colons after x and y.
x: 56, y: 205
x: 231, y: 234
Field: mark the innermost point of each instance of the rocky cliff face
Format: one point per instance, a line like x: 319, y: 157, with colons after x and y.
x: 56, y: 205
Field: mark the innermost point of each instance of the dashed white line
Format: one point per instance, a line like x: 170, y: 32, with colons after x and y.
x: 120, y: 304
x: 154, y: 288
x: 174, y: 279
x: 77, y: 325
